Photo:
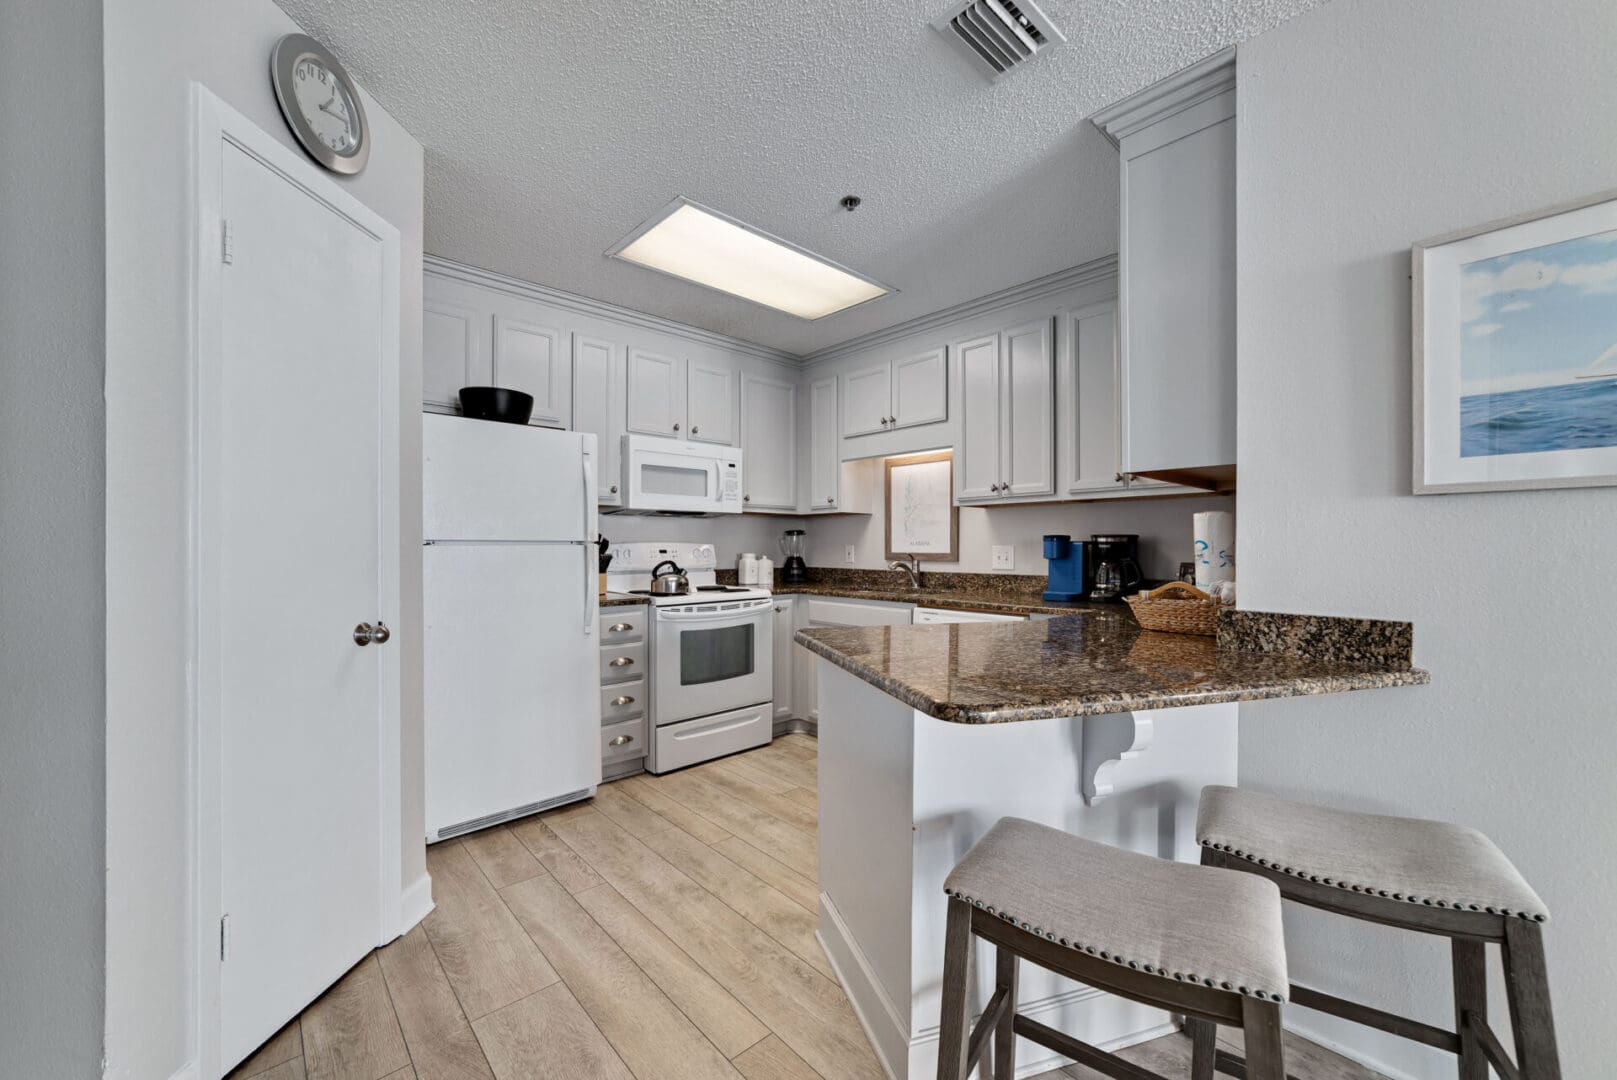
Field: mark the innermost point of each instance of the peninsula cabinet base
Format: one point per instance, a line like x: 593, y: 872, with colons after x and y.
x: 903, y: 797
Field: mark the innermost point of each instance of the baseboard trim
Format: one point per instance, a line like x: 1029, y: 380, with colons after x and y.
x: 797, y: 726
x: 415, y: 903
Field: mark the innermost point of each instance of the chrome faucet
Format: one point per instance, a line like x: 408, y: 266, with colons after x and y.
x: 911, y: 566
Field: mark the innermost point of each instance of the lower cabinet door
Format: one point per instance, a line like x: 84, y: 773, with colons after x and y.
x: 784, y: 646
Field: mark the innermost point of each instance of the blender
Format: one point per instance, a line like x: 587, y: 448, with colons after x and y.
x: 793, y: 543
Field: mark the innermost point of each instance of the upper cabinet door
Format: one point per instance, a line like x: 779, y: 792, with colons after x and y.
x: 921, y: 389
x: 978, y: 460
x: 655, y: 394
x: 594, y: 375
x: 450, y: 356
x: 768, y: 443
x: 710, y: 403
x: 1029, y: 433
x: 1092, y: 444
x: 528, y: 357
x: 825, y: 470
x: 867, y: 400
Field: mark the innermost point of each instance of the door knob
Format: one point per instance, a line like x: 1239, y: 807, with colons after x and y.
x: 380, y: 633
x: 362, y: 634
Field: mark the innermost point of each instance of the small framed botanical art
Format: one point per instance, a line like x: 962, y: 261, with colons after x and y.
x: 922, y: 519
x: 1515, y: 352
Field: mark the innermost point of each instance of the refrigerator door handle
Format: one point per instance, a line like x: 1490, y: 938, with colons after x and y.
x: 591, y: 555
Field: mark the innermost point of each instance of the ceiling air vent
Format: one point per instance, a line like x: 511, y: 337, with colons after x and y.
x: 999, y: 34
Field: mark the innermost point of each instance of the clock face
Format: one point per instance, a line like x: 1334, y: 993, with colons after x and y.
x: 326, y: 105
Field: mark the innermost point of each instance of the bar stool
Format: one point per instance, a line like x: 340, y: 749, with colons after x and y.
x: 1200, y: 942
x: 1428, y: 876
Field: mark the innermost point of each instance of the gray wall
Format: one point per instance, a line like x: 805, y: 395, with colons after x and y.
x: 1366, y: 125
x: 52, y: 691
x: 154, y: 51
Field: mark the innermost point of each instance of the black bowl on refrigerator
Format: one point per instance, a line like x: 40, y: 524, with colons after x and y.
x: 496, y: 403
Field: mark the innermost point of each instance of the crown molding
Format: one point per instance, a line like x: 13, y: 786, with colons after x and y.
x: 1096, y: 270
x: 583, y: 305
x: 1204, y: 79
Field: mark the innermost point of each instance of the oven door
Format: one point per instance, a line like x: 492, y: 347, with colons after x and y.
x: 710, y: 658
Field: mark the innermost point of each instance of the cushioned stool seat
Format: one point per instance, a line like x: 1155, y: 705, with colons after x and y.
x: 1216, y: 928
x: 1431, y: 863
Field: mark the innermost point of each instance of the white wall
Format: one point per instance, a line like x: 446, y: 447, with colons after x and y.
x: 1366, y: 125
x: 1163, y: 526
x: 52, y: 694
x: 152, y: 52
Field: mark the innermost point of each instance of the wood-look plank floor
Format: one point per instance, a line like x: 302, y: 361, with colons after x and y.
x: 665, y: 928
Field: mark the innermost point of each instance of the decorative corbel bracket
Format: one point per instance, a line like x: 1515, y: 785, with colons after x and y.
x: 1109, y: 742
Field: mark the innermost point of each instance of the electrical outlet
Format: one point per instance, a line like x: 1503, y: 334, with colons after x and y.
x: 1004, y: 557
x: 848, y: 555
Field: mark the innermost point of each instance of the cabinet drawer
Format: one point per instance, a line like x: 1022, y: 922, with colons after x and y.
x: 621, y: 701
x: 622, y: 624
x: 620, y: 663
x: 623, y: 740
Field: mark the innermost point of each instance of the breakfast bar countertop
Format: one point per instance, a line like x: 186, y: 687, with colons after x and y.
x: 1102, y: 662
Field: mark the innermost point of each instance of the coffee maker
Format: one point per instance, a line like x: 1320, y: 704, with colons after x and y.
x: 1115, y: 566
x: 793, y: 545
x: 1069, y: 573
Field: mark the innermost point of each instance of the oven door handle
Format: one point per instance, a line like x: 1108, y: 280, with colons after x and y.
x: 739, y: 615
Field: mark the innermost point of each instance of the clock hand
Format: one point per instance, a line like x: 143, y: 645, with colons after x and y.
x: 325, y: 107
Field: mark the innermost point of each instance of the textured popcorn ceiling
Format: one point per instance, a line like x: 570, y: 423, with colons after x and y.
x: 553, y: 129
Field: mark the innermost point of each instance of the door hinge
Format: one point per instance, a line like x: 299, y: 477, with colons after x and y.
x: 224, y: 938
x: 227, y: 251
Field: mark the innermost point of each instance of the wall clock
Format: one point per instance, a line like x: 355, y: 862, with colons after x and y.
x: 320, y: 103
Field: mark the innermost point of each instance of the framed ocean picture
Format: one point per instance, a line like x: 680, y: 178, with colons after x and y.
x: 1515, y: 352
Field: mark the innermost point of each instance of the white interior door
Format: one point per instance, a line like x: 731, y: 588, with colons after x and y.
x: 297, y: 447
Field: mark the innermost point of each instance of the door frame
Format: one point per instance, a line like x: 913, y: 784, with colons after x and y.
x: 215, y: 124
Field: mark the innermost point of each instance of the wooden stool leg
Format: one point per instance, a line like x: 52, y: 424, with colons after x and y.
x: 1203, y: 1047
x: 954, y: 1021
x: 1527, y: 988
x: 1004, y: 1031
x: 1265, y: 1052
x: 1470, y: 1000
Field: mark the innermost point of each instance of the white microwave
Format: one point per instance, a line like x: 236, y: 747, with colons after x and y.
x: 670, y: 476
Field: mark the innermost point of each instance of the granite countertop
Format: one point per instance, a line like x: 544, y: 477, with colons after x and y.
x: 618, y: 599
x: 1102, y: 662
x: 954, y: 598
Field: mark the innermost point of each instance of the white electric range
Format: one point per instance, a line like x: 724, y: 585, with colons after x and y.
x: 711, y: 655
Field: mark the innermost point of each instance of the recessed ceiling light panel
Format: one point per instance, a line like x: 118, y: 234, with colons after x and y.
x: 690, y: 241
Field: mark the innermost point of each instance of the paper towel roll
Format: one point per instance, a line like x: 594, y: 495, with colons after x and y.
x: 1214, y: 532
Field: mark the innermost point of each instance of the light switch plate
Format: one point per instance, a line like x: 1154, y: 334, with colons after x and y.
x: 848, y: 555
x: 1004, y: 557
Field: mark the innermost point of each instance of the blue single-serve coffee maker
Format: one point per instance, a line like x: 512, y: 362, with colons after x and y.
x: 1069, y: 570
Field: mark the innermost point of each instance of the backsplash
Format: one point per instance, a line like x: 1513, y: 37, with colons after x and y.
x: 1163, y: 525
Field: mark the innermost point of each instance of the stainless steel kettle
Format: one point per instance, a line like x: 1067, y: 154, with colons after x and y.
x: 673, y: 582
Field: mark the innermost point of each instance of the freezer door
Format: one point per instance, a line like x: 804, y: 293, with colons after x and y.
x: 488, y: 481
x: 513, y: 710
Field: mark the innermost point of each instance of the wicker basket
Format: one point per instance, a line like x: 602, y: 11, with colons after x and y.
x: 1176, y: 608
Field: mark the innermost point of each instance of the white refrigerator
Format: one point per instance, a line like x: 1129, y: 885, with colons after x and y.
x: 513, y: 708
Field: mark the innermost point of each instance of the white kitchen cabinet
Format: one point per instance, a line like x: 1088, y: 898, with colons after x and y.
x: 1176, y: 147
x: 783, y: 670
x: 825, y: 466
x: 597, y: 409
x: 869, y: 398
x: 925, y: 616
x: 977, y: 458
x: 451, y: 350
x: 528, y: 356
x: 1007, y: 415
x: 921, y: 389
x: 710, y: 402
x: 655, y: 394
x: 768, y: 443
x: 893, y: 394
x: 1087, y: 406
x: 828, y: 611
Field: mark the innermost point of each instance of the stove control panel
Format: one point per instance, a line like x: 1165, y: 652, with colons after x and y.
x: 642, y: 557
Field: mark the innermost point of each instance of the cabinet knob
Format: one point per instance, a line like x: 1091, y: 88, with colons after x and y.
x: 746, y: 498
x: 694, y: 429
x: 676, y: 427
x: 884, y: 421
x: 830, y: 498
x: 892, y: 419
x: 614, y: 489
x: 779, y: 608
